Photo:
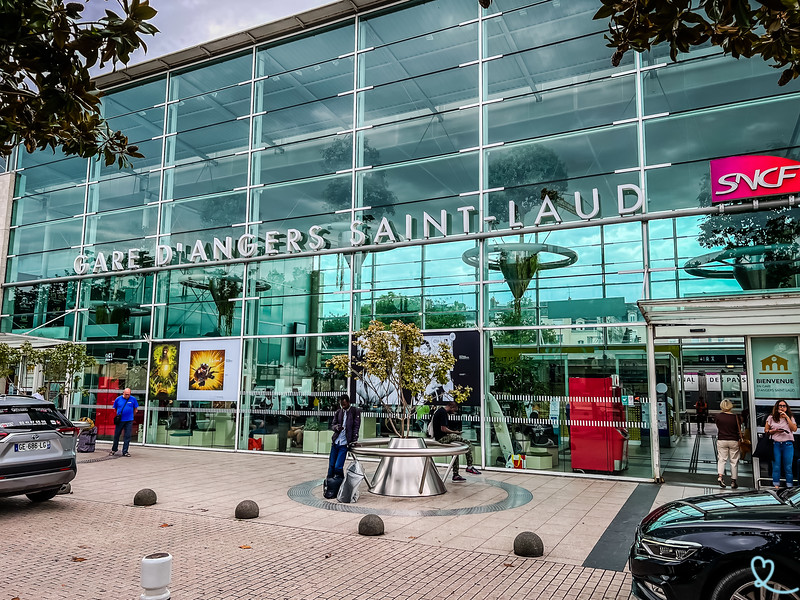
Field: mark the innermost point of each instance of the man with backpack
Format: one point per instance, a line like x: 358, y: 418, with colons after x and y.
x: 346, y: 423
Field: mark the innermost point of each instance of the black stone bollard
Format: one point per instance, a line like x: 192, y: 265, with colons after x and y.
x: 246, y: 509
x: 528, y: 543
x: 145, y: 497
x: 370, y: 525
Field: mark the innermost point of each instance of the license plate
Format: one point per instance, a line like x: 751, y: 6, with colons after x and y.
x: 28, y: 446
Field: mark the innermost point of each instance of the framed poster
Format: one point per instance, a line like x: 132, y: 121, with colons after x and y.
x: 208, y: 370
x: 776, y: 366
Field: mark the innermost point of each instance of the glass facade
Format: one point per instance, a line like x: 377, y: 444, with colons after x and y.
x: 499, y: 180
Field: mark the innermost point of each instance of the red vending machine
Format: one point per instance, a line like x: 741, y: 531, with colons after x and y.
x: 598, y: 439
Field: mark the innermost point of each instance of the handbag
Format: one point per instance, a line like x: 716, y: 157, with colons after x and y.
x: 763, y: 449
x: 117, y: 419
x: 745, y: 445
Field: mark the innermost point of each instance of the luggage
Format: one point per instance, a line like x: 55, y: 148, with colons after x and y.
x: 353, y: 477
x: 87, y: 439
x: 330, y: 487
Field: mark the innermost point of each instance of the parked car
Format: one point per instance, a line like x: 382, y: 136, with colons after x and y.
x: 704, y: 548
x: 37, y: 448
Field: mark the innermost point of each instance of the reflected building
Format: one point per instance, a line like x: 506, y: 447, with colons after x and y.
x: 482, y: 173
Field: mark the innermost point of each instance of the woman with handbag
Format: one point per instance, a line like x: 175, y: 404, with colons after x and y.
x: 727, y: 443
x: 780, y: 426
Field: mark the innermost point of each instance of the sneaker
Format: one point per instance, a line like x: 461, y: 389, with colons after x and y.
x: 126, y: 454
x: 112, y: 453
x: 458, y: 478
x: 734, y: 485
x: 473, y: 470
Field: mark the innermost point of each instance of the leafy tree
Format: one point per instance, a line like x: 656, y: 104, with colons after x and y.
x: 390, y: 363
x: 62, y: 363
x: 47, y: 97
x: 766, y: 28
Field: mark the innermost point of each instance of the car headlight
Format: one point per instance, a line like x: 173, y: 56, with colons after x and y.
x: 672, y: 551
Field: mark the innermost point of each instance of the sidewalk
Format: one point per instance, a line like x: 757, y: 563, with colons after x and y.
x: 88, y: 544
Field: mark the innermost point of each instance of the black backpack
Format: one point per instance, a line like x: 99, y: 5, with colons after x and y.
x: 330, y: 487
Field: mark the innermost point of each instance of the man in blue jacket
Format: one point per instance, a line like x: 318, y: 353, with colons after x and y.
x: 125, y: 406
x: 346, y: 423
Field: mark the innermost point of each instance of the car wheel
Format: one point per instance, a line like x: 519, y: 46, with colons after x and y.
x: 42, y: 496
x: 741, y: 585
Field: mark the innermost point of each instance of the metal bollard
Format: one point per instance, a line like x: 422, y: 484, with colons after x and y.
x: 156, y: 576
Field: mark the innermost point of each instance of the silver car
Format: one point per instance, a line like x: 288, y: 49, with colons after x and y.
x: 37, y: 448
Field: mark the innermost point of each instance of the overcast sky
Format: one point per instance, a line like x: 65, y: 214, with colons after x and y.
x: 185, y: 23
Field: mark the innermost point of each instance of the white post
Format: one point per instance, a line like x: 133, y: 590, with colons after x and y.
x: 156, y: 576
x: 651, y: 391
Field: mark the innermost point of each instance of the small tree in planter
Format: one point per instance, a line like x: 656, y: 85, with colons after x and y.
x: 392, y: 365
x: 62, y: 363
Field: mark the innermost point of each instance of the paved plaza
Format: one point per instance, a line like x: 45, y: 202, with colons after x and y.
x: 88, y: 544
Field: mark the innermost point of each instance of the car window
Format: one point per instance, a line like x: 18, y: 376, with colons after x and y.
x: 30, y: 417
x: 724, y: 502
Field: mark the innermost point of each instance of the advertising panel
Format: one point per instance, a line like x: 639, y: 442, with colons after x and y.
x: 164, y: 373
x: 208, y: 370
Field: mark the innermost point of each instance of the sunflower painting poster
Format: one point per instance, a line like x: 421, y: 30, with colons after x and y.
x: 208, y: 370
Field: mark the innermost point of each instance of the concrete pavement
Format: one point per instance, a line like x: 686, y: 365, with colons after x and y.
x: 88, y: 544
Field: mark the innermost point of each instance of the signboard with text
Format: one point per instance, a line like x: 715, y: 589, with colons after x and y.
x: 776, y: 365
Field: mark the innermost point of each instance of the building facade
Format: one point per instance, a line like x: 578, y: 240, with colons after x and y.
x: 485, y: 174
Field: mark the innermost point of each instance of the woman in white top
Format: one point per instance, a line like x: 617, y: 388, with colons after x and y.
x: 781, y: 427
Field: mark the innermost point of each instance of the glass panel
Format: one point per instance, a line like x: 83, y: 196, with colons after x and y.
x: 542, y: 24
x: 118, y: 366
x: 137, y: 97
x: 133, y: 223
x: 707, y: 133
x: 46, y: 236
x: 394, y: 25
x: 30, y: 267
x: 40, y: 306
x: 289, y: 396
x: 151, y: 149
x: 427, y: 179
x: 570, y: 154
x: 421, y: 95
x: 304, y: 159
x: 216, y: 107
x: 204, y: 213
x: 433, y: 52
x: 124, y: 192
x: 306, y: 50
x: 27, y: 159
x: 709, y: 81
x: 141, y: 125
x: 544, y: 395
x: 311, y: 291
x: 444, y: 133
x: 207, y: 142
x: 553, y: 66
x: 211, y: 76
x: 313, y: 197
x: 48, y: 207
x: 202, y: 178
x: 315, y: 119
x: 558, y: 111
x: 52, y: 176
x: 199, y: 302
x: 308, y: 84
x: 115, y: 308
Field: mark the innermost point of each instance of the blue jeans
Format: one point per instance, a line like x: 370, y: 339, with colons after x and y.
x: 783, y: 453
x: 336, y: 460
x: 128, y: 427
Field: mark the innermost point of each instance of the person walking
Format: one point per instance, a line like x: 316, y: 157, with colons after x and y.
x: 346, y: 423
x: 444, y: 435
x: 781, y: 426
x: 701, y: 410
x: 125, y: 407
x: 727, y: 443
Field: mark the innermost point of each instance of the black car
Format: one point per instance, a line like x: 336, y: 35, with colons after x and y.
x: 706, y: 548
x: 37, y: 448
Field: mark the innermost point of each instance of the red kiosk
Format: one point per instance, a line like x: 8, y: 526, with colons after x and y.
x: 598, y: 439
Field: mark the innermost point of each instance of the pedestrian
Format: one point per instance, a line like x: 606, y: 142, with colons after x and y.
x: 125, y: 407
x: 701, y: 410
x: 781, y: 427
x: 727, y: 443
x: 444, y: 435
x: 346, y: 423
